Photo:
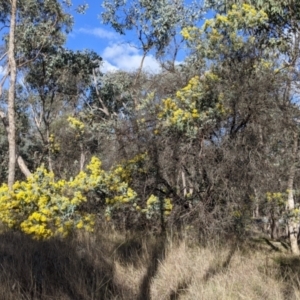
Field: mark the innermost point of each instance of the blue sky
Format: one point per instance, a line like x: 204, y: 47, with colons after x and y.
x: 117, y: 51
x: 90, y: 33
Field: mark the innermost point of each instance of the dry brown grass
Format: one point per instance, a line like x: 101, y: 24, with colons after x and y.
x: 111, y: 265
x: 214, y: 273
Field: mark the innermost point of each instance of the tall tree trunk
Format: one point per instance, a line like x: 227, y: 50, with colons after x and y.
x: 293, y: 225
x: 21, y: 163
x: 11, y: 97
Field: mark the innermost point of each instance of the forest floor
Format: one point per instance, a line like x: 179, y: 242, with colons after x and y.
x: 112, y: 265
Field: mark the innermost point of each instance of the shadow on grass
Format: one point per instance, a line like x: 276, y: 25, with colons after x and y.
x: 180, y: 290
x: 130, y: 251
x: 289, y: 269
x: 157, y: 256
x: 273, y: 247
x: 54, y: 270
x: 289, y: 272
x: 214, y: 270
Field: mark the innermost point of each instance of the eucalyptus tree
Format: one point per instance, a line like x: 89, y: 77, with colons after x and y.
x: 33, y: 26
x: 11, y: 95
x: 57, y: 83
x: 156, y: 24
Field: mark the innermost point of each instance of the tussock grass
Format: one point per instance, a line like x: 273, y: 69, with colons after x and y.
x: 113, y: 265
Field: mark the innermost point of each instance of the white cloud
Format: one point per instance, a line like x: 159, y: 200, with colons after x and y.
x: 100, y: 33
x: 108, y: 67
x: 128, y: 58
x: 116, y: 50
x: 118, y: 56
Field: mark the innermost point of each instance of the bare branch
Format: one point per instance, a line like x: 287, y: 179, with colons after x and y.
x: 104, y: 109
x: 3, y: 55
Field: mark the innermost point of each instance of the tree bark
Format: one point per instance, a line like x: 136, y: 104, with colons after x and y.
x: 82, y: 157
x: 293, y: 225
x: 21, y: 163
x: 49, y: 151
x: 11, y: 97
x: 23, y: 167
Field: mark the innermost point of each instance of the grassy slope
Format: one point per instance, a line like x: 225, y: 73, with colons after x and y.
x: 115, y: 266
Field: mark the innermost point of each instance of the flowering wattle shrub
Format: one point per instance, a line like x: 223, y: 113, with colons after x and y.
x: 204, y: 101
x: 194, y: 106
x: 156, y: 205
x: 45, y: 207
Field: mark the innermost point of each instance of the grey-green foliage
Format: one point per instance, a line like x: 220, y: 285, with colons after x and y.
x: 57, y: 81
x: 155, y: 22
x: 115, y: 90
x: 62, y: 71
x: 40, y: 24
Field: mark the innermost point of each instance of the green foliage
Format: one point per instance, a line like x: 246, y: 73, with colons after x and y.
x: 40, y: 24
x: 62, y: 71
x: 115, y: 90
x: 156, y: 22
